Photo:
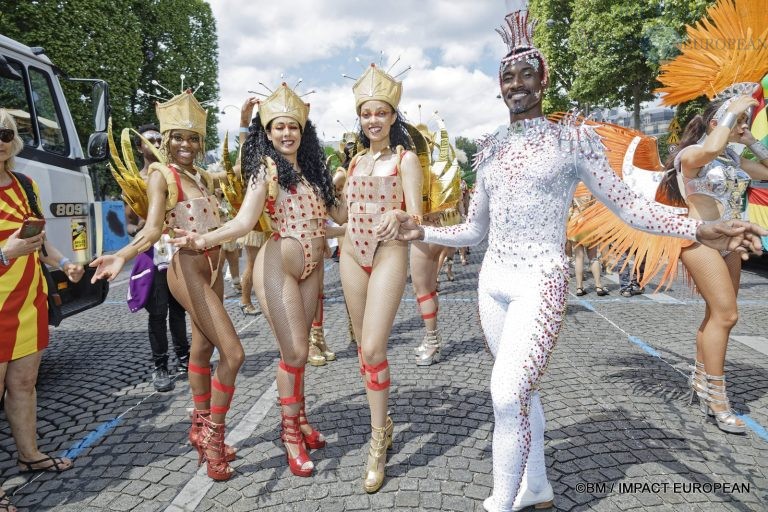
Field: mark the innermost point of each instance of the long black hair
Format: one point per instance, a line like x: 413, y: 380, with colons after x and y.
x: 694, y: 130
x: 310, y: 156
x: 398, y: 135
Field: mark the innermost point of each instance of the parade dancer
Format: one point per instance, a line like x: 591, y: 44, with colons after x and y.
x: 525, y: 182
x: 382, y: 177
x: 439, y: 209
x: 177, y: 199
x: 285, y: 176
x: 708, y: 176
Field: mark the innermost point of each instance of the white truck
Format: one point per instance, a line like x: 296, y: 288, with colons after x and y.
x: 31, y: 91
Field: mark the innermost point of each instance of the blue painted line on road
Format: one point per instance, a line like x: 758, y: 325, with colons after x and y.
x: 754, y: 426
x: 586, y: 304
x: 644, y: 346
x: 92, y: 438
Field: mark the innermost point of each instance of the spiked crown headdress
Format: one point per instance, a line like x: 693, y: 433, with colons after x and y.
x: 375, y: 84
x: 182, y: 112
x: 283, y: 102
x: 518, y: 36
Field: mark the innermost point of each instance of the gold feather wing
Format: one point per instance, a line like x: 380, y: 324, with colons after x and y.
x: 445, y: 185
x: 233, y: 187
x: 423, y: 152
x: 126, y: 173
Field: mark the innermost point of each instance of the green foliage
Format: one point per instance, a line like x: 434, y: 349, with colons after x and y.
x: 127, y: 44
x: 177, y: 37
x: 332, y: 158
x: 552, y: 37
x: 469, y: 148
x: 611, y: 65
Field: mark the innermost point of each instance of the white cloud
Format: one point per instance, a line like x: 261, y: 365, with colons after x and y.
x: 451, y: 46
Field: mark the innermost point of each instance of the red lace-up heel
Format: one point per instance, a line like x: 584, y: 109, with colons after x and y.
x: 314, y: 439
x: 292, y: 435
x: 197, y: 417
x: 210, y: 449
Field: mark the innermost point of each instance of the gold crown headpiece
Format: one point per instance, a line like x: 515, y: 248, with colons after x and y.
x: 283, y: 102
x: 182, y: 112
x: 518, y: 36
x: 724, y: 47
x: 375, y: 84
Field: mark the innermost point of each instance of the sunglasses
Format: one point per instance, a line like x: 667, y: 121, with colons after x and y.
x: 6, y: 135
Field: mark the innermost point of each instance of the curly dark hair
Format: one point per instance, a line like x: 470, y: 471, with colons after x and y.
x: 310, y: 156
x: 694, y: 130
x: 398, y: 135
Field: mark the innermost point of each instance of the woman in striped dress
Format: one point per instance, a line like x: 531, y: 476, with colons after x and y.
x: 23, y: 307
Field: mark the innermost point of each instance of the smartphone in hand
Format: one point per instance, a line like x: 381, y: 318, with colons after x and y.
x: 31, y: 226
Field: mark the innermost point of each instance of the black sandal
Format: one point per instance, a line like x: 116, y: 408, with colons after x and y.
x: 580, y: 292
x: 6, y: 505
x: 58, y: 465
x: 602, y: 292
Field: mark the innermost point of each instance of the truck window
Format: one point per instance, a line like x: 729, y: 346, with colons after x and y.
x: 52, y: 135
x: 13, y: 98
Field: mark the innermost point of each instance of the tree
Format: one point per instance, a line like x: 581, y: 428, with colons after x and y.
x: 611, y: 65
x: 127, y: 44
x: 552, y: 38
x: 469, y: 148
x: 84, y: 38
x: 178, y: 37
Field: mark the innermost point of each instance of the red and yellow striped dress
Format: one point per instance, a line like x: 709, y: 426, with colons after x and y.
x: 23, y: 290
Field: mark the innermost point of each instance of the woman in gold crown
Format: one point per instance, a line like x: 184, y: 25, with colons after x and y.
x: 284, y: 168
x: 382, y: 177
x: 178, y: 200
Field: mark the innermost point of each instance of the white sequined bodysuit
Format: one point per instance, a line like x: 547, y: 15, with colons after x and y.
x: 525, y: 183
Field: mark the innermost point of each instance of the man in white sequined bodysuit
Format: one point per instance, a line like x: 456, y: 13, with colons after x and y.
x: 525, y: 183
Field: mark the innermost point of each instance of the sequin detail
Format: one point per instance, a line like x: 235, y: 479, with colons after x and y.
x: 301, y: 216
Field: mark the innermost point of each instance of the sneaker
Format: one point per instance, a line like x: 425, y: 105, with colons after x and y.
x: 182, y: 366
x: 161, y: 380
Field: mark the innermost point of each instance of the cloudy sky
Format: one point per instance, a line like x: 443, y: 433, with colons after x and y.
x: 450, y: 44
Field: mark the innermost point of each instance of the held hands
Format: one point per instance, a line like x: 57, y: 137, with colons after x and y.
x: 73, y: 272
x: 733, y: 235
x: 16, y: 246
x: 107, y: 267
x: 187, y: 239
x: 398, y: 225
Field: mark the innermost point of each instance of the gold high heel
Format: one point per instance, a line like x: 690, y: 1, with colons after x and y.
x: 377, y: 458
x: 317, y: 337
x: 727, y: 421
x: 315, y: 356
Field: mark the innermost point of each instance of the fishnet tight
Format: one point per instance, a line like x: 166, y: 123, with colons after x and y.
x: 189, y: 278
x: 288, y: 304
x: 373, y: 301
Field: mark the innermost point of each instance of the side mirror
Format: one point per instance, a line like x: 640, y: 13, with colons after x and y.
x: 6, y: 71
x: 100, y: 102
x: 97, y: 146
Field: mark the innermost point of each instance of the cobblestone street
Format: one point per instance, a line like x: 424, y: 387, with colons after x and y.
x: 620, y: 432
